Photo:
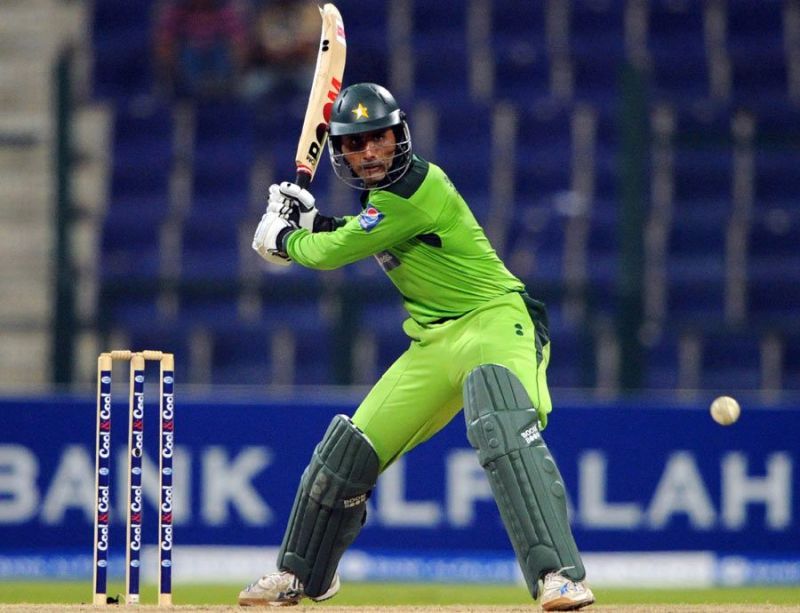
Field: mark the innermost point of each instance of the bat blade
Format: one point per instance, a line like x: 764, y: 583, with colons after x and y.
x: 328, y: 76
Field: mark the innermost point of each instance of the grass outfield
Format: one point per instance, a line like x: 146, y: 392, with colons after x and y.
x: 366, y: 594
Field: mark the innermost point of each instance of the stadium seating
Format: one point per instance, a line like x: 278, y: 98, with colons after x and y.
x: 554, y: 63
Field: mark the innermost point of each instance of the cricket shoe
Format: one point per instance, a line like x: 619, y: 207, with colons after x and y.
x: 560, y: 593
x: 281, y: 589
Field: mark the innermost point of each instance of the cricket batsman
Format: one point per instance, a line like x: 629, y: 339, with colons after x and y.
x: 477, y: 341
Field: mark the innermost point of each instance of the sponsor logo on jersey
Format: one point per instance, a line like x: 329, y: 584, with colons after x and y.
x: 369, y: 218
x: 387, y: 260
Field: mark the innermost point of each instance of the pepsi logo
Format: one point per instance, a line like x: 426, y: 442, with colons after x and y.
x: 369, y: 218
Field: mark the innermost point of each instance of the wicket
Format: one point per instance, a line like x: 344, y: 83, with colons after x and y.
x: 135, y: 453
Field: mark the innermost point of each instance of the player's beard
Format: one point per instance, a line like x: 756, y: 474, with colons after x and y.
x: 375, y: 171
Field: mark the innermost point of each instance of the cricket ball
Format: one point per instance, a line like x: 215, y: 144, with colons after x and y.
x: 725, y: 410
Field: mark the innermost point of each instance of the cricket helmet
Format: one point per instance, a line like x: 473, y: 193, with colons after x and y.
x: 362, y: 108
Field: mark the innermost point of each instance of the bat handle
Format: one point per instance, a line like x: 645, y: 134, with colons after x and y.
x: 303, y: 179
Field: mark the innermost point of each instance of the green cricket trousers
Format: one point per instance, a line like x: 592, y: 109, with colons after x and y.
x: 422, y: 391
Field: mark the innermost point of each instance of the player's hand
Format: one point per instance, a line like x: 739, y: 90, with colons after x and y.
x: 268, y: 239
x: 293, y: 203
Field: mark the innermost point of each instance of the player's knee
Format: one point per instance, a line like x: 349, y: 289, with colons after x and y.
x: 491, y: 389
x: 330, y: 506
x: 346, y: 454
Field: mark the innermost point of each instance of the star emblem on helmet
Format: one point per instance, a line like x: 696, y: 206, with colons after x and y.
x: 360, y: 111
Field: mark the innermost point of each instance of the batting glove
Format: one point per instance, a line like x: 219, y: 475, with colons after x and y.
x: 269, y: 238
x: 294, y: 204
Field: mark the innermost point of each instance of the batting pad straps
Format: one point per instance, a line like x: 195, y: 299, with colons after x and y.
x: 330, y: 507
x: 502, y: 426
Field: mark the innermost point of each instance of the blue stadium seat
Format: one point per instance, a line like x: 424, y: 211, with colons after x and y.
x: 441, y: 70
x: 316, y: 357
x: 695, y: 286
x: 210, y: 246
x: 570, y: 358
x: 602, y: 258
x: 514, y: 20
x: 778, y: 122
x: 661, y: 360
x: 773, y: 265
x: 143, y: 152
x: 207, y: 303
x: 791, y: 361
x: 759, y: 75
x: 539, y: 230
x: 597, y: 28
x: 129, y: 306
x: 519, y: 51
x: 754, y: 25
x: 597, y: 79
x: 141, y: 177
x: 597, y: 49
x: 463, y: 144
x: 702, y: 126
x: 122, y: 48
x: 138, y: 130
x: 777, y: 179
x: 130, y: 239
x: 544, y: 135
x: 731, y: 361
x: 521, y: 75
x: 676, y: 29
x: 702, y: 174
x: 467, y: 168
x: 606, y: 177
x: 443, y: 20
x: 223, y: 120
x: 699, y: 227
x: 772, y: 296
x: 677, y: 49
x: 240, y: 354
x: 221, y: 179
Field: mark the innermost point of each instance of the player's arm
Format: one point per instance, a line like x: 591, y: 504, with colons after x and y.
x: 392, y: 222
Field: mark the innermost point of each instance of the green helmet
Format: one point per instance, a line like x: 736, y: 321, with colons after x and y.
x: 367, y: 107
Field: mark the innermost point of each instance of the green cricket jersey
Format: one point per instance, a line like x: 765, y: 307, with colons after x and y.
x: 425, y: 238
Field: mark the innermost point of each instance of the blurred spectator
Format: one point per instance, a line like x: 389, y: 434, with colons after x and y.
x: 201, y: 47
x: 283, y: 53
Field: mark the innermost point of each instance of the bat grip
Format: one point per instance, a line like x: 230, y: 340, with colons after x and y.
x: 303, y: 179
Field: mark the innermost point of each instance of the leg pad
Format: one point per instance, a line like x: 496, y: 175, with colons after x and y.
x: 502, y: 426
x: 330, y: 506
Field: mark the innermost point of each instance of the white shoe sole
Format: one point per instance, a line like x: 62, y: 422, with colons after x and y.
x: 332, y: 590
x: 261, y: 602
x: 566, y: 604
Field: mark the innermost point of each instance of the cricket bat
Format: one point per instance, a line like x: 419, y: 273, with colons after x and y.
x: 327, y: 83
